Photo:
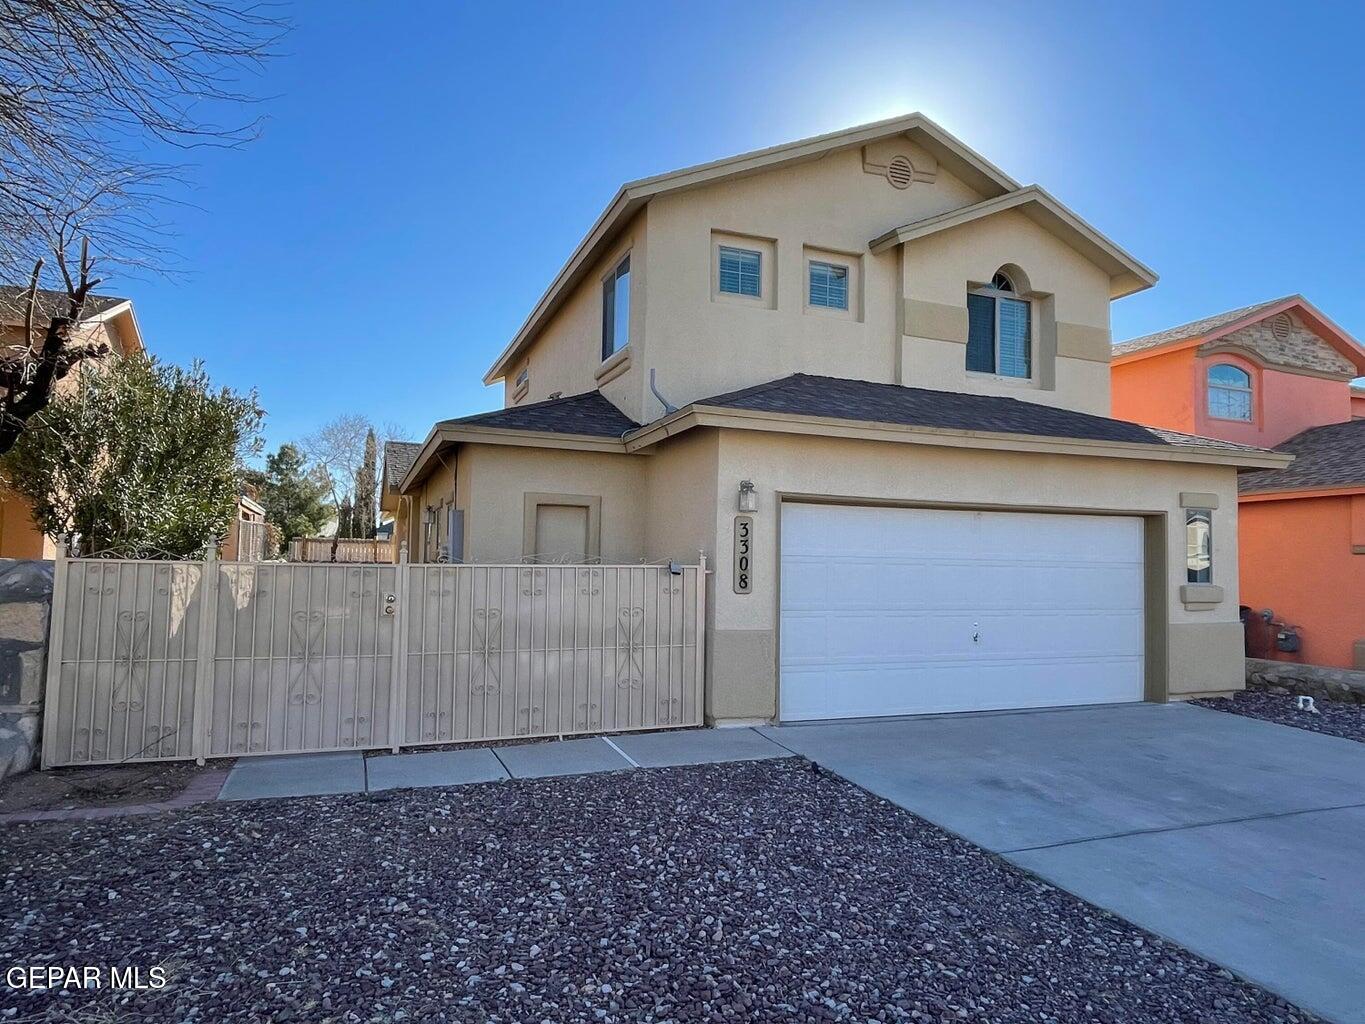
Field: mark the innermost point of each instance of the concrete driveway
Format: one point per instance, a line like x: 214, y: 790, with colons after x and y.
x: 1242, y: 840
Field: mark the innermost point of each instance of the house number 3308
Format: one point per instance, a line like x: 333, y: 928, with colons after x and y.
x: 744, y: 554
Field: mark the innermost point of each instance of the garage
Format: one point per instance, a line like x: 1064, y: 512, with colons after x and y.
x: 908, y: 611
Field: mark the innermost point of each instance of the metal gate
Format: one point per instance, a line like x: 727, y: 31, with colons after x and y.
x: 172, y: 660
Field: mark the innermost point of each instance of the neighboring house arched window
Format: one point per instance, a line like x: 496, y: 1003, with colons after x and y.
x: 999, y: 329
x: 1229, y: 392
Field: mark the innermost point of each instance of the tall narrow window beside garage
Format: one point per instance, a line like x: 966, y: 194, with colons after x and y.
x: 1198, y: 545
x: 1229, y: 393
x: 741, y: 271
x: 999, y: 330
x: 616, y: 310
x: 828, y: 285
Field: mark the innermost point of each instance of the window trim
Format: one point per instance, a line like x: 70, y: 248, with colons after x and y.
x: 1249, y: 391
x: 757, y: 254
x: 1192, y: 574
x: 995, y: 295
x: 609, y: 285
x: 811, y: 263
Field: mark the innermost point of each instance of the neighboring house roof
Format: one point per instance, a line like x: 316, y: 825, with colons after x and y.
x: 1210, y: 328
x: 836, y: 398
x: 13, y: 299
x: 1126, y: 274
x: 398, y: 459
x: 585, y: 415
x: 975, y: 170
x: 1324, y: 457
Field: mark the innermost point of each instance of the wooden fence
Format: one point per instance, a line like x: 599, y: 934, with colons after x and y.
x: 348, y: 549
x: 172, y: 660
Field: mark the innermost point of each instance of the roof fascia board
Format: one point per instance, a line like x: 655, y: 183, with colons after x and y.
x: 791, y: 423
x: 1290, y: 493
x: 974, y: 169
x: 1127, y: 275
x: 443, y: 434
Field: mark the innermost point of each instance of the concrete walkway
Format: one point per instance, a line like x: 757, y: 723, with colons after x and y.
x: 1239, y: 839
x: 256, y: 778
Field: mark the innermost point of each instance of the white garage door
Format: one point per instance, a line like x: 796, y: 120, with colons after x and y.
x: 890, y: 611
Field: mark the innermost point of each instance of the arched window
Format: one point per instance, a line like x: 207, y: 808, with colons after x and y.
x: 1229, y: 392
x: 999, y: 329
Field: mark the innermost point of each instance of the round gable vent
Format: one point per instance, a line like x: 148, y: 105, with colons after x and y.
x: 899, y: 172
x: 1280, y: 326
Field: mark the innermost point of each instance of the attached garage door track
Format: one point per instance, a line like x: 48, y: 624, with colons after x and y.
x: 1239, y: 839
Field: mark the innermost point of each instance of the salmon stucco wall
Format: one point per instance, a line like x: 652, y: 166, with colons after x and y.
x: 1157, y: 391
x: 1283, y: 403
x: 1299, y: 558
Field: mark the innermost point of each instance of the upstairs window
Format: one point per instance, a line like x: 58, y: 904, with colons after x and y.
x: 616, y: 310
x: 1229, y: 393
x: 828, y: 285
x: 999, y: 330
x: 741, y: 271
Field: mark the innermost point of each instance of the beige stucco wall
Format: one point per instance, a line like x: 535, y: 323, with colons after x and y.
x: 1204, y: 647
x: 907, y: 320
x: 567, y: 354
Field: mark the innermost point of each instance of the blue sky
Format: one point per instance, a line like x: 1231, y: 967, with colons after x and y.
x: 426, y: 168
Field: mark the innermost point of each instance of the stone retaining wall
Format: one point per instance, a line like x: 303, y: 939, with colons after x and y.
x: 1320, y: 682
x: 25, y: 604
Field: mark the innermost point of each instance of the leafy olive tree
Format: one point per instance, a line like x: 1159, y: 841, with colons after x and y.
x: 140, y: 459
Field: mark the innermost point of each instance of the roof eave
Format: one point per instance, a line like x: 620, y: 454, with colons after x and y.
x: 1126, y: 274
x: 694, y: 416
x: 444, y: 434
x: 963, y: 161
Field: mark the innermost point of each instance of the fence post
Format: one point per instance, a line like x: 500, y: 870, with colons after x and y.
x: 398, y: 704
x: 701, y: 638
x: 61, y: 571
x: 203, y: 671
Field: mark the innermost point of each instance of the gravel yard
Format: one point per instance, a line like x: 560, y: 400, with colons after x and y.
x: 1334, y: 718
x: 750, y: 891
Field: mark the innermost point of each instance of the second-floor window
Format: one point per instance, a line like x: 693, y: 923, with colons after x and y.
x: 828, y: 285
x: 616, y: 310
x: 999, y: 330
x: 1229, y: 393
x: 741, y: 271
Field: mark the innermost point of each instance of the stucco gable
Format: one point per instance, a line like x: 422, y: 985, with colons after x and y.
x: 1284, y: 340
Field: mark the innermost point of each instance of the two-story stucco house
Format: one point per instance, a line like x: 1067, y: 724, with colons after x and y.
x: 868, y: 375
x: 1276, y: 374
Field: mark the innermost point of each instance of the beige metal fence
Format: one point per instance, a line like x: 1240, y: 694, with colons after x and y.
x: 174, y: 660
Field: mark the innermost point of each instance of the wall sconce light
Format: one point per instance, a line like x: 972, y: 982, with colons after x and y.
x: 748, y: 496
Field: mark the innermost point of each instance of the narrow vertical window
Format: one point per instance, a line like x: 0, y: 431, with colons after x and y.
x: 616, y: 310
x: 1198, y: 545
x: 741, y: 271
x: 828, y: 285
x: 999, y: 330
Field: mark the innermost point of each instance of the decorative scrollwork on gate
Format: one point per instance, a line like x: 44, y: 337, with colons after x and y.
x: 630, y: 648
x: 487, y: 644
x: 589, y: 716
x: 590, y: 582
x: 305, y: 679
x: 670, y: 710
x: 130, y: 660
x: 532, y: 582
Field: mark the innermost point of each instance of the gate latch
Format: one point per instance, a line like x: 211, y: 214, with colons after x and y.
x: 389, y: 601
x: 976, y: 632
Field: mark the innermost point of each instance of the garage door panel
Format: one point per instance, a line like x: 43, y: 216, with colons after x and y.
x: 912, y: 611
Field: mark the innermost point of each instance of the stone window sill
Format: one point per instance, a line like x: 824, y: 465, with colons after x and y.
x: 613, y: 366
x: 1196, y: 596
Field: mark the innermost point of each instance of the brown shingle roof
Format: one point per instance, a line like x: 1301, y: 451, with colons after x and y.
x: 13, y: 298
x: 586, y: 414
x: 1193, y: 329
x: 398, y: 459
x: 836, y: 398
x: 1327, y: 456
